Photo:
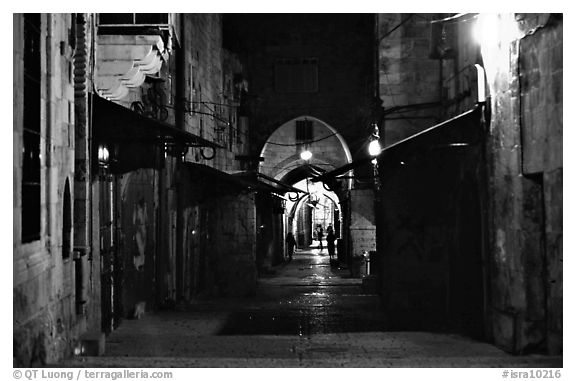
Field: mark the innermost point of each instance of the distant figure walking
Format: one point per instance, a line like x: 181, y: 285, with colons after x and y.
x: 291, y: 244
x: 320, y: 235
x: 330, y: 238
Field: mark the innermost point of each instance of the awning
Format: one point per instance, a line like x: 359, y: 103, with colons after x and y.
x: 461, y: 131
x: 212, y: 176
x: 247, y: 181
x: 273, y: 184
x: 116, y: 124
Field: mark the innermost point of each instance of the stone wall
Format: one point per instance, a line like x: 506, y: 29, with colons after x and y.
x: 218, y: 264
x: 525, y: 170
x: 232, y: 244
x: 522, y: 202
x: 45, y: 323
x: 362, y: 226
x: 281, y: 152
x: 406, y: 75
x: 344, y: 49
x: 208, y: 77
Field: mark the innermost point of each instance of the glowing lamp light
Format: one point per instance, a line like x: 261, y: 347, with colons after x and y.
x: 485, y: 31
x: 103, y: 154
x: 305, y: 155
x: 374, y: 148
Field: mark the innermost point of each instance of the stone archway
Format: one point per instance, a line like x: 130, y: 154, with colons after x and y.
x: 281, y: 152
x: 282, y: 161
x: 320, y: 206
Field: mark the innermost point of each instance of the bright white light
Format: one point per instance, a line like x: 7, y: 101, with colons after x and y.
x: 486, y: 30
x: 305, y: 155
x: 374, y: 148
x: 481, y: 83
x: 103, y: 154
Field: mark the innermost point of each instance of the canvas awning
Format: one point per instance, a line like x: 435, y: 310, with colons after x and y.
x: 247, y: 181
x: 114, y: 123
x: 273, y: 184
x: 461, y: 131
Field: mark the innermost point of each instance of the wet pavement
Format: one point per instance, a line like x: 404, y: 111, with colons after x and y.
x: 307, y: 314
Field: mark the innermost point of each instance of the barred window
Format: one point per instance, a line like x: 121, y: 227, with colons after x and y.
x: 296, y: 75
x: 133, y: 18
x: 304, y: 131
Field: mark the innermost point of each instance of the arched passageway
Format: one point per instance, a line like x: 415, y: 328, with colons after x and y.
x: 281, y: 152
x: 320, y: 205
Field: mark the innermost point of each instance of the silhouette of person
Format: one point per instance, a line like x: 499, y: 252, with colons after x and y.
x: 330, y: 238
x: 320, y: 235
x: 291, y: 244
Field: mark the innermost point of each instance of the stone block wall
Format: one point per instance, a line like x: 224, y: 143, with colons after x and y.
x: 406, y: 74
x: 231, y: 244
x: 525, y: 186
x: 345, y: 53
x: 207, y: 66
x: 362, y: 221
x: 45, y: 322
x: 523, y: 162
x: 282, y: 152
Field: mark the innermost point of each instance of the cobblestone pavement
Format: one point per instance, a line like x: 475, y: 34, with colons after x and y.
x: 309, y: 314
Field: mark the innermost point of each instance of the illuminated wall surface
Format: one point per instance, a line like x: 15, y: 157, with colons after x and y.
x: 518, y: 204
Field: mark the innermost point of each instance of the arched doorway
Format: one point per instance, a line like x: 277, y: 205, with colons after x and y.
x: 282, y: 149
x: 318, y: 207
x: 282, y: 161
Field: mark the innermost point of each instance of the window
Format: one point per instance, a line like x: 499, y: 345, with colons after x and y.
x: 133, y: 18
x: 304, y: 131
x: 31, y: 134
x: 296, y: 75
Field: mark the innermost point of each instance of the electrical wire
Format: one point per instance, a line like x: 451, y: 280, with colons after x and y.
x: 396, y: 27
x: 301, y: 143
x: 395, y: 105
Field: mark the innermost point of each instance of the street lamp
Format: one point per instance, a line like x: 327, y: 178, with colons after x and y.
x: 103, y: 155
x: 306, y: 155
x: 374, y: 150
x: 374, y: 146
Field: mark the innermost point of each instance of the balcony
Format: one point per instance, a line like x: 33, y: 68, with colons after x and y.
x: 130, y: 47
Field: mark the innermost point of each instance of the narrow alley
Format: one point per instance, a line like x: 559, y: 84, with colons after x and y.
x: 307, y: 314
x: 167, y: 165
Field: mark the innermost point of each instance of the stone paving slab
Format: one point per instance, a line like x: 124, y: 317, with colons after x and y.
x: 309, y: 316
x: 370, y: 349
x: 358, y: 362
